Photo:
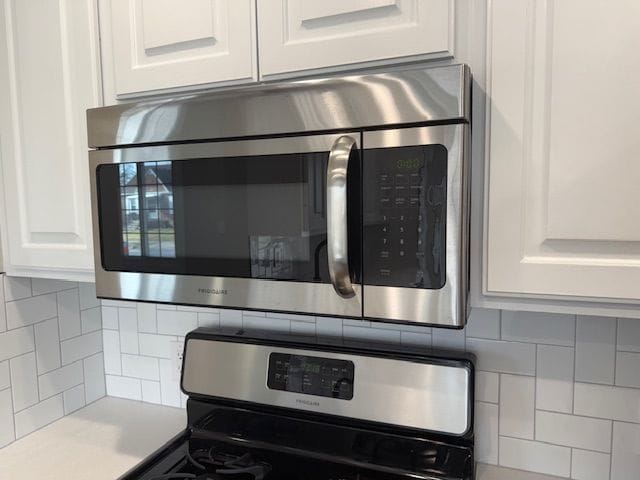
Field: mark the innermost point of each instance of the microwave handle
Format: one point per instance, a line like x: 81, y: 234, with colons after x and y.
x: 337, y: 244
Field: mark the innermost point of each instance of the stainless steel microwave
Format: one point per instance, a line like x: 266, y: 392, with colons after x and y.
x: 341, y: 196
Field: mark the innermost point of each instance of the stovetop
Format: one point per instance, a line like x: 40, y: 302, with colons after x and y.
x: 235, y: 443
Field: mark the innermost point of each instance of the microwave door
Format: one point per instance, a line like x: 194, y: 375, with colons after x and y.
x: 242, y: 224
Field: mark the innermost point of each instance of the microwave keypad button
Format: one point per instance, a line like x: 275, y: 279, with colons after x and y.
x: 384, y: 254
x: 415, y: 179
x: 401, y: 179
x: 385, y: 179
x: 385, y: 272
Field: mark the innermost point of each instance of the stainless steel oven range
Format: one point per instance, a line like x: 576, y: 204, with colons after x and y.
x: 340, y: 196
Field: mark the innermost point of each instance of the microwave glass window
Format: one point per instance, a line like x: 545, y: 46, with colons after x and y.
x: 405, y: 210
x: 146, y: 202
x: 256, y: 217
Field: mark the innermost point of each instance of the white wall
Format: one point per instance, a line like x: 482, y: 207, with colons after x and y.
x: 51, y: 361
x: 555, y: 394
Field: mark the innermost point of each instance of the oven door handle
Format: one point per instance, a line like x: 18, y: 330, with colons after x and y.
x: 337, y: 243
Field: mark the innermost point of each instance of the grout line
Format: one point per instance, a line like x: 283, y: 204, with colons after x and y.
x: 615, y: 353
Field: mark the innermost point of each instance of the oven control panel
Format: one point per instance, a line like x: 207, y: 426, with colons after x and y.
x: 325, y: 377
x: 405, y: 216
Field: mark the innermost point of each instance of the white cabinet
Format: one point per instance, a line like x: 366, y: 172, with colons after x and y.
x: 297, y: 35
x: 49, y: 76
x: 151, y: 45
x: 563, y: 173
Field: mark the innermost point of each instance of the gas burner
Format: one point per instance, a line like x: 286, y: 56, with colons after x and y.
x: 226, y: 464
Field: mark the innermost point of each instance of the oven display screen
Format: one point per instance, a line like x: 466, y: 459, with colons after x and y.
x: 324, y: 377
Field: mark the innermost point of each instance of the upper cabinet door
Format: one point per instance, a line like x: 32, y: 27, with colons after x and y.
x: 166, y: 44
x: 49, y: 76
x: 300, y: 35
x: 563, y: 182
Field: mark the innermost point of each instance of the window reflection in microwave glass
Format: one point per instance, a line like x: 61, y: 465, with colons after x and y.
x: 146, y: 201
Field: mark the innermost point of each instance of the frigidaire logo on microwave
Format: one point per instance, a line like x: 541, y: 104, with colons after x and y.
x: 213, y: 291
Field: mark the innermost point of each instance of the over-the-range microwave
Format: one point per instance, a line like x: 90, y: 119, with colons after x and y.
x: 340, y: 196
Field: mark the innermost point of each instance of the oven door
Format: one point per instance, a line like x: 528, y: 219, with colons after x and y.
x: 415, y: 263
x: 272, y: 224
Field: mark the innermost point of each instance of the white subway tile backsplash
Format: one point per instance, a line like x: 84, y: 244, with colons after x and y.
x: 3, y: 311
x: 535, y: 456
x: 292, y: 317
x: 69, y: 314
x: 7, y: 432
x: 628, y: 369
x: 24, y: 381
x: 110, y: 318
x: 37, y: 416
x: 81, y: 347
x: 169, y: 387
x: 574, y: 431
x: 47, y: 345
x: 303, y: 328
x: 415, y: 339
x: 91, y: 320
x: 41, y: 286
x: 111, y: 345
x: 533, y: 327
x: 177, y: 323
x: 16, y: 342
x: 124, y: 387
x: 94, y: 386
x: 151, y: 392
x: 629, y: 334
x: 147, y: 318
x: 484, y: 323
x: 87, y: 292
x: 448, y: 339
x: 554, y: 378
x: 504, y: 357
x: 625, y: 456
x: 231, y: 318
x: 128, y: 319
x: 371, y: 334
x: 28, y: 311
x: 486, y: 433
x: 253, y: 322
x: 5, y: 379
x: 122, y: 304
x: 328, y: 327
x: 60, y: 380
x: 140, y: 367
x: 517, y: 399
x: 595, y: 349
x: 209, y: 320
x: 73, y: 399
x: 42, y: 355
x: 604, y: 401
x: 16, y: 288
x: 487, y: 386
x: 159, y: 346
x: 587, y: 465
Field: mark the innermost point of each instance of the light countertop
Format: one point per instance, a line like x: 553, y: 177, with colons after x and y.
x: 105, y: 439
x: 99, y: 442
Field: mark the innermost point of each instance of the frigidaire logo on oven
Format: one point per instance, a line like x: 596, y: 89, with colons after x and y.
x: 213, y: 291
x: 309, y: 403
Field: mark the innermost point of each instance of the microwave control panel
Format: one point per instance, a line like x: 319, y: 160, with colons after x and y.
x: 405, y: 216
x: 324, y: 377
